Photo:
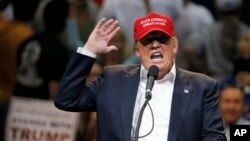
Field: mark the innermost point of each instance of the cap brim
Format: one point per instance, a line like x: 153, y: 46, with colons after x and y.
x: 155, y: 29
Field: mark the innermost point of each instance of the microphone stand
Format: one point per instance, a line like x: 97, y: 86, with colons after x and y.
x: 138, y: 125
x: 152, y: 74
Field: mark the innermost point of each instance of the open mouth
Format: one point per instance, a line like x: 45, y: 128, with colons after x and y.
x: 157, y: 56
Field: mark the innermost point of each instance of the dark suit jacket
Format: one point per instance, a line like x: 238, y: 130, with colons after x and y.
x: 194, y: 115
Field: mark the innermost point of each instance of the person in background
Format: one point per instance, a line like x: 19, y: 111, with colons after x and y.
x: 127, y: 11
x: 184, y: 104
x: 242, y: 63
x: 42, y: 58
x: 12, y: 33
x: 233, y: 106
x: 7, y: 78
x: 242, y: 67
x: 72, y: 24
x: 213, y: 49
x: 117, y: 57
x: 191, y: 20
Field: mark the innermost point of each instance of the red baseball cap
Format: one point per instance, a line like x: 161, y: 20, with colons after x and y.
x: 153, y: 22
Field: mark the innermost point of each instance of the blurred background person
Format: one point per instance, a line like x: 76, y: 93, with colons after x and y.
x: 242, y: 67
x: 73, y: 34
x: 212, y: 50
x: 42, y: 58
x: 209, y: 4
x: 119, y: 56
x: 13, y: 31
x: 12, y: 34
x: 80, y: 22
x: 7, y: 71
x: 6, y: 78
x: 86, y: 17
x: 194, y: 17
x: 233, y: 107
x: 242, y: 62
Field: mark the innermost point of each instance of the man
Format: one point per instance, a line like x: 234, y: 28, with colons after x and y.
x: 212, y: 49
x: 233, y: 106
x: 39, y: 68
x: 184, y: 104
x: 127, y: 11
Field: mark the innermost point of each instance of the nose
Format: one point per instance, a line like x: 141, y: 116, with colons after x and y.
x: 155, y: 44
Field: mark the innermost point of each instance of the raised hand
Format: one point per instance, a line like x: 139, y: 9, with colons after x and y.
x: 103, y: 32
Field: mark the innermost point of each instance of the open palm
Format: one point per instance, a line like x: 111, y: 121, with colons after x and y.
x: 103, y: 32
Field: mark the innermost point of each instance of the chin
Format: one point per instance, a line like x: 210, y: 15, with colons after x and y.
x: 231, y: 120
x: 158, y: 65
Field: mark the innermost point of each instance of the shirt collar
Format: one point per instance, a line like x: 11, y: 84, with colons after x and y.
x: 170, y: 77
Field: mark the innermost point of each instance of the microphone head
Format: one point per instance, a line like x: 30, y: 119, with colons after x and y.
x: 153, y: 71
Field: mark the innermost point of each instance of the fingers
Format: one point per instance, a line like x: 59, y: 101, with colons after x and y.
x: 103, y: 24
x: 104, y: 31
x: 107, y: 27
x: 100, y: 23
x: 107, y: 24
x: 110, y: 26
x: 113, y: 32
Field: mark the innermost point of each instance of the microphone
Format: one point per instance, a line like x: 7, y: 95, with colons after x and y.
x: 152, y: 75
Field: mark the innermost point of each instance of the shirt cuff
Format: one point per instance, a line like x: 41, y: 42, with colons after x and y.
x: 86, y: 52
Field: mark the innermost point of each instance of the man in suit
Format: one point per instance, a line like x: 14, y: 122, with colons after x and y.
x: 184, y: 105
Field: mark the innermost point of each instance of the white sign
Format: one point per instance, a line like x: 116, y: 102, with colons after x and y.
x: 39, y: 120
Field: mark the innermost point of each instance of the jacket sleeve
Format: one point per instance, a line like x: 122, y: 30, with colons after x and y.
x: 73, y: 93
x: 213, y: 128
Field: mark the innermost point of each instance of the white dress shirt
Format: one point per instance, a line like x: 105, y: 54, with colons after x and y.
x: 84, y: 51
x: 160, y: 103
x: 240, y: 121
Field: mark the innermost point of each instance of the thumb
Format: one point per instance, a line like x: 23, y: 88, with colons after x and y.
x: 111, y: 48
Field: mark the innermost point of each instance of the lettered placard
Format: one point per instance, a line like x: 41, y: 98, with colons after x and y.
x: 39, y: 120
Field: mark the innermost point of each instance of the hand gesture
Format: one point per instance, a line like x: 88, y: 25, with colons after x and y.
x: 98, y: 40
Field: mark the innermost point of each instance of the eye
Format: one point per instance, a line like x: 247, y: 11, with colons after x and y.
x: 163, y: 40
x: 146, y: 41
x: 155, y: 36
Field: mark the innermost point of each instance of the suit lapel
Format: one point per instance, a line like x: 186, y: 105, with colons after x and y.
x: 180, y: 102
x: 128, y: 96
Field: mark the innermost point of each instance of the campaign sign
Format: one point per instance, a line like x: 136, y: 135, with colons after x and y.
x: 39, y: 120
x: 239, y: 132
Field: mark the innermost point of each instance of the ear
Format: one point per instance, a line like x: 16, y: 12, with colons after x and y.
x: 175, y: 49
x: 136, y: 50
x: 175, y: 45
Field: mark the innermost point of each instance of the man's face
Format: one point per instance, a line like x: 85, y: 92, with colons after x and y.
x: 231, y: 104
x: 157, y: 48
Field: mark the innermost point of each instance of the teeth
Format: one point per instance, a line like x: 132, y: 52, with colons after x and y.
x: 156, y: 53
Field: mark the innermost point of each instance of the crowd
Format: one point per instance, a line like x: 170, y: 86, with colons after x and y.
x: 37, y: 36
